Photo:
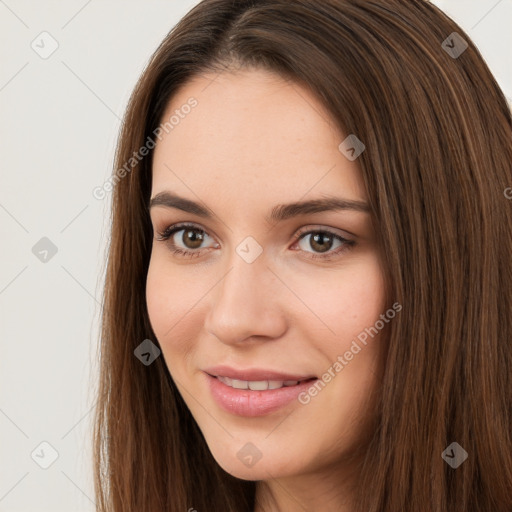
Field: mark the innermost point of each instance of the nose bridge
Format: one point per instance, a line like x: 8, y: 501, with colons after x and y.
x: 239, y: 305
x: 240, y: 284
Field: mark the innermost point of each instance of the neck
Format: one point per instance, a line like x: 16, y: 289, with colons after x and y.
x: 330, y: 491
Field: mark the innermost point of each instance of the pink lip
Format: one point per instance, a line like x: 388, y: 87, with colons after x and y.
x: 253, y: 374
x: 245, y: 402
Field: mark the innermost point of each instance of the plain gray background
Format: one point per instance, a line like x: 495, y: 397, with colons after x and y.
x: 59, y: 124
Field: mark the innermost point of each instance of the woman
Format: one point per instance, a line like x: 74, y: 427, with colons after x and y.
x: 309, y: 287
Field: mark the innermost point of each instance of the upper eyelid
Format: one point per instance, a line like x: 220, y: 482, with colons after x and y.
x: 320, y: 227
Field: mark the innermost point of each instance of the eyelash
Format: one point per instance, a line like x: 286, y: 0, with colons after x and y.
x: 171, y: 230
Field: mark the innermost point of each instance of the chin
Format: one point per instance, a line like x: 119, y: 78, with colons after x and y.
x: 249, y: 463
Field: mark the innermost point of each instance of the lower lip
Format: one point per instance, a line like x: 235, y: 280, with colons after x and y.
x: 245, y: 402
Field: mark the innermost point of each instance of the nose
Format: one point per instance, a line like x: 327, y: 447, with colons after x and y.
x: 246, y: 304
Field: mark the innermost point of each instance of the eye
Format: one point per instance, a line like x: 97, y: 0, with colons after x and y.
x: 188, y: 243
x: 322, y: 241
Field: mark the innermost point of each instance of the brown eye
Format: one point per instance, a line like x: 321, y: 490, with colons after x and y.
x: 192, y: 238
x: 321, y: 242
x: 186, y: 240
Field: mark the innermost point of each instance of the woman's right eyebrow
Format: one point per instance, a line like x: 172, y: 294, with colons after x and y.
x: 278, y: 213
x: 170, y: 200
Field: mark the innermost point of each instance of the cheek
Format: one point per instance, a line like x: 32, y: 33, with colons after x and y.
x: 346, y: 302
x: 170, y: 297
x: 170, y: 308
x: 362, y: 300
x: 159, y: 297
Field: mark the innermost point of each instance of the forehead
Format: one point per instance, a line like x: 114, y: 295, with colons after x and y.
x: 251, y: 134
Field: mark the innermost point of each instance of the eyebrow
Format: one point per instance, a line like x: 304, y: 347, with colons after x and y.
x: 278, y: 213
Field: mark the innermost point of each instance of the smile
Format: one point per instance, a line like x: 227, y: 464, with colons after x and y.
x: 257, y: 385
x: 251, y: 398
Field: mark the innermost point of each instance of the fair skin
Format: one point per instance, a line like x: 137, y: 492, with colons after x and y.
x: 255, y: 141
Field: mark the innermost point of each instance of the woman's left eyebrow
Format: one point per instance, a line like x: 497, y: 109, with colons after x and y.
x: 324, y: 204
x: 278, y: 213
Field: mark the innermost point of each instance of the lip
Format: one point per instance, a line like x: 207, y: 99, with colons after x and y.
x: 254, y: 374
x: 248, y: 403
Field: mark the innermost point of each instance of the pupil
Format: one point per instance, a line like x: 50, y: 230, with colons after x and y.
x: 319, y: 240
x: 194, y: 238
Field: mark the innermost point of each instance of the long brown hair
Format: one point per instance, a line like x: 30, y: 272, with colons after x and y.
x: 437, y: 163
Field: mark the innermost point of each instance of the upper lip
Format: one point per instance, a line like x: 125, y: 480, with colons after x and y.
x: 254, y: 374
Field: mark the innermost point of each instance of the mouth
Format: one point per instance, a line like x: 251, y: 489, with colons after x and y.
x: 255, y: 375
x: 259, y: 393
x: 260, y: 385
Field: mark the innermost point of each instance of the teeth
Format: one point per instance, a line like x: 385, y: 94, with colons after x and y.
x: 256, y: 385
x: 239, y: 384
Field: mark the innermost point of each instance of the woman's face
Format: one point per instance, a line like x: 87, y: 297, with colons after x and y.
x: 264, y: 301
